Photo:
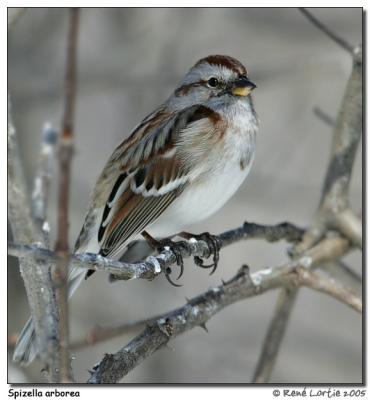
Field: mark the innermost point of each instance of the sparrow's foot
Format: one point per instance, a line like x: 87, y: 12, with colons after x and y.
x: 175, y: 247
x: 213, y: 244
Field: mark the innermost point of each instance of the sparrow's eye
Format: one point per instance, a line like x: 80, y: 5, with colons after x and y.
x: 212, y: 82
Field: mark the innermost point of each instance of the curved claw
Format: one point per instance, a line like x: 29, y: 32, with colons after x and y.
x: 181, y: 265
x: 174, y: 248
x: 199, y: 262
x: 159, y: 245
x: 167, y: 274
x: 215, y: 248
x: 179, y: 262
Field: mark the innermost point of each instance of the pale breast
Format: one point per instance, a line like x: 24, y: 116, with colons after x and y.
x: 207, y: 194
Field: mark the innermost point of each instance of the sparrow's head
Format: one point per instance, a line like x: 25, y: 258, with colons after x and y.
x: 215, y: 76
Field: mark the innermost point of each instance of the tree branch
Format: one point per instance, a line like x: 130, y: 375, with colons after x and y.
x: 153, y: 266
x: 65, y: 157
x: 42, y: 179
x: 346, y: 138
x: 333, y: 211
x: 35, y: 275
x: 271, y: 233
x: 275, y: 334
x: 330, y: 287
x: 199, y: 310
x: 337, y: 39
x: 350, y: 226
x: 334, y: 201
x: 323, y: 116
x: 344, y: 274
x: 284, y: 307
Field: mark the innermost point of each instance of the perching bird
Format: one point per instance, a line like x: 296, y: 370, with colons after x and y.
x: 179, y: 166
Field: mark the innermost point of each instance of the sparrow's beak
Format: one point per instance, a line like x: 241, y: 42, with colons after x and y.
x: 242, y: 86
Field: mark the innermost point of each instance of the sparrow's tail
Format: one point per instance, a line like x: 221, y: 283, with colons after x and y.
x: 25, y: 348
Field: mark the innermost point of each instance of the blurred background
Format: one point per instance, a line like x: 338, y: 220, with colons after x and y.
x: 129, y: 61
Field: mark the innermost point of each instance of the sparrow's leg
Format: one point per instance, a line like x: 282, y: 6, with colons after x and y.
x: 213, y: 244
x: 175, y: 247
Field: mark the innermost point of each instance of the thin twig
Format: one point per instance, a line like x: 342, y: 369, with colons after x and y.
x: 275, y: 334
x: 97, y: 334
x: 14, y: 14
x: 42, y: 179
x: 65, y: 158
x: 103, y: 333
x: 199, y: 310
x: 330, y: 287
x: 323, y: 116
x: 341, y: 272
x: 337, y: 39
x: 272, y: 233
x: 334, y: 201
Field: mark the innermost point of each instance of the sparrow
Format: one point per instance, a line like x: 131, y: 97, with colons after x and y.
x: 179, y: 166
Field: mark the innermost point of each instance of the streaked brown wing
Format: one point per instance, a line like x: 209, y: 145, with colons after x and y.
x: 153, y: 136
x: 138, y: 200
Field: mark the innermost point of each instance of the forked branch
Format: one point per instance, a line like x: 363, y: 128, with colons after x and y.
x: 334, y: 211
x: 200, y: 309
